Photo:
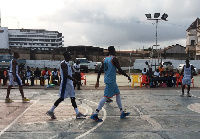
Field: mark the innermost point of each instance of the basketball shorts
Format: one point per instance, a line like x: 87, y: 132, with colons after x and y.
x: 186, y: 81
x: 111, y: 90
x: 12, y: 82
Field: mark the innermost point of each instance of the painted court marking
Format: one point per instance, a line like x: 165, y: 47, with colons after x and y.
x: 100, y: 123
x: 5, y: 129
x: 92, y: 129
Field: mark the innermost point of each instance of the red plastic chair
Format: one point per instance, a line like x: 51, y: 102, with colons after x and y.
x: 83, y: 77
x: 144, y: 79
x: 179, y: 80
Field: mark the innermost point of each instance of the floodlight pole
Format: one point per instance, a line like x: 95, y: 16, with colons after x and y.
x: 156, y: 15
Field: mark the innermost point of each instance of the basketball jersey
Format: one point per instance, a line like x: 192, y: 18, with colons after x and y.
x: 76, y: 67
x: 110, y: 70
x: 55, y: 73
x: 69, y: 72
x: 187, y: 71
x: 11, y: 67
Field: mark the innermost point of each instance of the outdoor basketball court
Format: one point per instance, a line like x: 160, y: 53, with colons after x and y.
x: 155, y: 113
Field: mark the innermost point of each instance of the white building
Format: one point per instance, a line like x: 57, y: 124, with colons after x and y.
x: 30, y: 38
x: 193, y: 40
x: 4, y: 44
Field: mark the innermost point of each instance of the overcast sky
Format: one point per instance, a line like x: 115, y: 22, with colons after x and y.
x: 102, y: 23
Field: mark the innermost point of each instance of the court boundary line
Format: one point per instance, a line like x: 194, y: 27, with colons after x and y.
x: 14, y: 121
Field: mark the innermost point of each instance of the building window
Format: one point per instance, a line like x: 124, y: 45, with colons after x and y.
x: 192, y: 42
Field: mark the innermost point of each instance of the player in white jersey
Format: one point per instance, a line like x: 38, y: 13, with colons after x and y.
x: 187, y: 73
x: 66, y: 87
x: 14, y: 79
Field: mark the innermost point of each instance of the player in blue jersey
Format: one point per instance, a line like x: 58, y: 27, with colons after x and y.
x: 110, y: 64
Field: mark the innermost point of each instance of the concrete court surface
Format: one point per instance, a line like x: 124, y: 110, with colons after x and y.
x: 158, y: 113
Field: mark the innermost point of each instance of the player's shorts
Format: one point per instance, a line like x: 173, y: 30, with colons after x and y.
x: 66, y: 89
x: 12, y: 82
x: 111, y: 90
x: 186, y: 80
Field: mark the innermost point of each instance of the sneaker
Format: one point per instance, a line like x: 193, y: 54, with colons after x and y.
x: 25, y: 99
x: 182, y: 95
x: 80, y: 115
x: 51, y: 114
x: 109, y: 100
x: 96, y: 118
x: 124, y: 114
x: 8, y: 100
x: 188, y: 95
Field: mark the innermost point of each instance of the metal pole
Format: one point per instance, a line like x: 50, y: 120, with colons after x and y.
x: 156, y: 42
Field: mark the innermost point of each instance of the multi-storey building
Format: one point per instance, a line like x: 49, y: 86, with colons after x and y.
x: 35, y: 38
x: 193, y: 40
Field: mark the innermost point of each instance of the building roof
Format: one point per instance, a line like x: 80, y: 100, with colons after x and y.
x: 169, y: 47
x: 195, y: 24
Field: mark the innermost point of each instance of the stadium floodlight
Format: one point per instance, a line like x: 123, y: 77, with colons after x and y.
x: 164, y: 16
x: 148, y: 15
x: 156, y: 15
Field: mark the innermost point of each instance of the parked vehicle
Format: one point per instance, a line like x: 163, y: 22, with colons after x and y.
x: 180, y: 67
x: 83, y: 64
x: 168, y: 65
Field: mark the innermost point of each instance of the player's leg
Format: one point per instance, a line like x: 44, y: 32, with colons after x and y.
x: 188, y: 88
x: 19, y: 82
x: 95, y: 114
x: 51, y: 111
x: 183, y: 86
x: 78, y: 114
x: 8, y: 100
x: 119, y: 103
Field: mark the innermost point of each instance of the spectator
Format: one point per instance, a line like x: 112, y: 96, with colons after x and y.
x: 150, y: 73
x: 161, y: 69
x: 45, y: 75
x: 55, y: 75
x: 29, y: 75
x: 2, y: 75
x: 77, y: 74
x: 156, y: 74
x: 144, y: 71
x: 37, y: 74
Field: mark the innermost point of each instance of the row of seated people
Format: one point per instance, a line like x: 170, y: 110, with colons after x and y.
x: 167, y: 73
x: 42, y: 76
x: 29, y: 75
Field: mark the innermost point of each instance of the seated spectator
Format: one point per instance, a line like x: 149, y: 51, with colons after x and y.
x: 161, y: 69
x: 29, y: 75
x: 37, y: 74
x: 46, y: 75
x: 166, y: 73
x: 144, y: 71
x: 156, y: 74
x: 150, y: 75
x: 169, y: 74
x: 2, y: 75
x: 55, y: 75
